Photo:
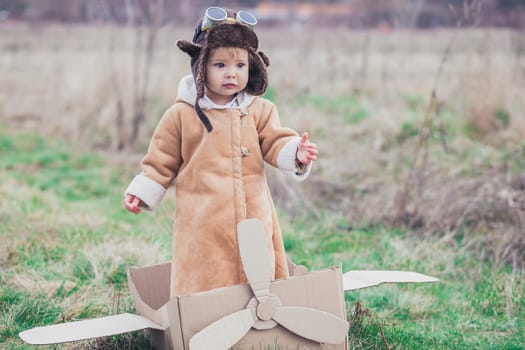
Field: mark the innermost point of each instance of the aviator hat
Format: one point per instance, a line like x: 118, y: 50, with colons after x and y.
x: 228, y: 33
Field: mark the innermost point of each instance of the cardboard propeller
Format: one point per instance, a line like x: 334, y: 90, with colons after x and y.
x: 265, y: 311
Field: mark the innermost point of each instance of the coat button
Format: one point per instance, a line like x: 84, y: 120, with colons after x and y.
x: 245, y: 151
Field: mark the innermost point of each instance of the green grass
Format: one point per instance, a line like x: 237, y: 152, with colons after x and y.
x: 474, y: 306
x: 67, y: 241
x: 348, y: 108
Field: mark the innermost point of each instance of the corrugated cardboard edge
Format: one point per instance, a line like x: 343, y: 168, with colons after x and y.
x: 175, y: 330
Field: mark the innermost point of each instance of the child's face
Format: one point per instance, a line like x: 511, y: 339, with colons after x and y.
x: 226, y: 73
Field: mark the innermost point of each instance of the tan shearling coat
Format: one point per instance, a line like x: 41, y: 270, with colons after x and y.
x: 219, y: 180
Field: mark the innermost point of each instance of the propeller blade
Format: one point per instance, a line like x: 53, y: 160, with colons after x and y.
x: 87, y: 329
x: 317, y: 325
x: 254, y: 256
x: 225, y: 332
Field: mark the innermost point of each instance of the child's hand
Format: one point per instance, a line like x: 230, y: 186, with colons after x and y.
x: 133, y: 203
x: 306, y: 151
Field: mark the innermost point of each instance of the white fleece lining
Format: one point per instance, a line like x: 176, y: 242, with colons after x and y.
x: 148, y: 190
x: 187, y: 90
x: 286, y: 160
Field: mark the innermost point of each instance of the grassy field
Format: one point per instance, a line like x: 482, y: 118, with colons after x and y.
x: 66, y: 244
x: 404, y: 181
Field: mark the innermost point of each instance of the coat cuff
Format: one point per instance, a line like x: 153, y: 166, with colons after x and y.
x: 148, y: 190
x: 286, y: 160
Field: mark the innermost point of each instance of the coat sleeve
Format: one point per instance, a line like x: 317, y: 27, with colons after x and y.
x: 161, y: 163
x: 279, y: 144
x: 272, y: 136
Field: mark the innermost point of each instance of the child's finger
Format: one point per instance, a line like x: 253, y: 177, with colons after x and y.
x: 128, y: 205
x: 132, y: 203
x: 304, y: 137
x: 311, y: 149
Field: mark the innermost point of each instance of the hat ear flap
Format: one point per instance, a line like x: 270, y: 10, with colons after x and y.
x: 191, y: 49
x: 258, y: 80
x: 265, y: 58
x: 199, y: 72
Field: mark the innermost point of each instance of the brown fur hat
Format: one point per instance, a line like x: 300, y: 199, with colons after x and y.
x: 225, y: 35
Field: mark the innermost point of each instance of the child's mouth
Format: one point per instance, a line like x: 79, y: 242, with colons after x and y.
x: 229, y: 86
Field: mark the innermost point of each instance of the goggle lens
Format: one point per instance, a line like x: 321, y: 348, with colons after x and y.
x: 216, y: 14
x: 247, y: 18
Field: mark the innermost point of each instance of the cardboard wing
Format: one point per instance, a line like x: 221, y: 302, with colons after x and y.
x: 87, y: 329
x: 359, y: 279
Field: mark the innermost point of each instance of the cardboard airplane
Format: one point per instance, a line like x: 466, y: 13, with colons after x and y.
x: 304, y: 311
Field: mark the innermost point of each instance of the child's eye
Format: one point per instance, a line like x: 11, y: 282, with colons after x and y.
x: 219, y: 64
x: 240, y: 65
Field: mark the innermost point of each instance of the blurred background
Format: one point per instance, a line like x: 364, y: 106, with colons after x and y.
x: 417, y: 107
x: 356, y: 14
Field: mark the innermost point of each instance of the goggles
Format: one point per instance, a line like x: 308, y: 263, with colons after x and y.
x: 216, y: 15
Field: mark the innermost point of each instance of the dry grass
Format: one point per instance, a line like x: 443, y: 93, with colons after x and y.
x: 57, y: 80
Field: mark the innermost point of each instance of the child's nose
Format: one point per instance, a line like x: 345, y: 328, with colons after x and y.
x: 230, y: 73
